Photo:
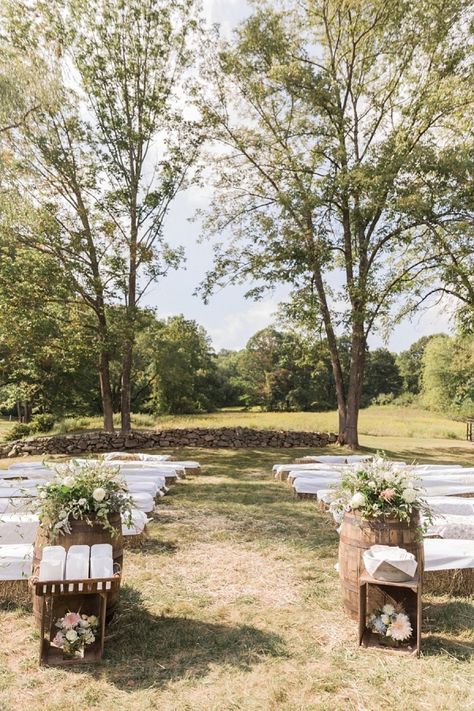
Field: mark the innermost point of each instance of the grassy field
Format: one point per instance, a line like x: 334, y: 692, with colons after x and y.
x: 233, y: 605
x: 375, y: 421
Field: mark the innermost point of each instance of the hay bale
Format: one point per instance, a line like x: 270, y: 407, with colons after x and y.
x: 449, y: 582
x: 136, y: 541
x: 15, y: 591
x: 304, y: 496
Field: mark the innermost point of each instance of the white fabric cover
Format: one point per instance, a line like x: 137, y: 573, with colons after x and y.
x: 325, y: 495
x: 140, y: 456
x: 281, y: 468
x: 143, y: 487
x: 15, y: 505
x: 310, y: 486
x: 323, y: 474
x: 139, y: 521
x: 157, y: 479
x: 7, y: 492
x: 27, y: 465
x: 452, y: 526
x: 447, y: 488
x: 14, y: 474
x: 16, y: 561
x: 22, y: 483
x: 143, y: 502
x: 456, y: 505
x: 447, y: 554
x: 18, y: 528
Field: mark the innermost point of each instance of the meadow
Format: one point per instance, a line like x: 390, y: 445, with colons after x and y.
x: 233, y: 604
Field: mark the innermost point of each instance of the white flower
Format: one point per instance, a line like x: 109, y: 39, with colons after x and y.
x: 98, y: 494
x: 372, y: 484
x: 43, y: 495
x: 388, y: 609
x: 385, y: 619
x: 400, y: 628
x: 69, y: 481
x: 62, y: 514
x: 357, y: 500
x: 409, y: 495
x: 82, y: 502
x: 71, y: 635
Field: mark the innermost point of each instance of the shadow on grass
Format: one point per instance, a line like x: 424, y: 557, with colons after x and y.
x: 442, y: 622
x: 255, y: 509
x: 143, y: 650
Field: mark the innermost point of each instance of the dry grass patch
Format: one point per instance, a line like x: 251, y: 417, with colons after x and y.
x: 233, y: 604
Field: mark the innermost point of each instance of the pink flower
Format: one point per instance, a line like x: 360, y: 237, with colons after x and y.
x: 70, y: 620
x: 59, y: 639
x: 387, y: 494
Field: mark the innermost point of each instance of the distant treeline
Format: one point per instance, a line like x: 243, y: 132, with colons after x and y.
x: 176, y: 371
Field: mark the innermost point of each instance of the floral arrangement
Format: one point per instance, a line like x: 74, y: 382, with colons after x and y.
x: 75, y: 632
x: 88, y: 493
x: 379, y: 488
x: 391, y: 624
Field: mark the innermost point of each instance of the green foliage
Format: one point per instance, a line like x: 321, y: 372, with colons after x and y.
x: 329, y: 114
x: 448, y: 375
x: 410, y: 365
x: 42, y: 423
x: 183, y: 367
x: 88, y: 493
x: 18, y: 431
x: 382, y: 376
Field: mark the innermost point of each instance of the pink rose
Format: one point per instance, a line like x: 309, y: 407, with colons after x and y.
x: 70, y: 620
x: 387, y: 494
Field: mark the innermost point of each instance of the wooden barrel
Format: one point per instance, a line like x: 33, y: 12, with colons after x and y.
x: 82, y: 534
x: 357, y: 535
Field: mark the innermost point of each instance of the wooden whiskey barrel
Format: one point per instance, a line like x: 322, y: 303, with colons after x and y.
x: 357, y: 535
x: 82, y: 534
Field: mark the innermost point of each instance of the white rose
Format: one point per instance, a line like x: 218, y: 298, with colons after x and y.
x: 98, y: 494
x: 409, y: 495
x: 372, y: 484
x: 69, y: 481
x: 388, y: 609
x: 71, y: 635
x: 82, y: 502
x: 357, y: 500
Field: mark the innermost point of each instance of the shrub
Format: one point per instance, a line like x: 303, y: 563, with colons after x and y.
x: 42, y: 423
x: 18, y: 431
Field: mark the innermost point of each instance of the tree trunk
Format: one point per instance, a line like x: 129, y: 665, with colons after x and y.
x: 127, y: 362
x: 106, y: 391
x: 126, y: 420
x: 334, y: 354
x: 354, y: 394
x: 104, y: 375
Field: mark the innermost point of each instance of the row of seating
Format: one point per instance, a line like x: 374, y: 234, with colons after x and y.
x: 148, y: 477
x: 449, y: 542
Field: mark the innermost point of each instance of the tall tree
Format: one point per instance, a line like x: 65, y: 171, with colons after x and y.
x: 325, y: 112
x: 114, y: 152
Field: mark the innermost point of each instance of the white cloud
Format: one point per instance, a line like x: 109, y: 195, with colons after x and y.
x: 237, y: 327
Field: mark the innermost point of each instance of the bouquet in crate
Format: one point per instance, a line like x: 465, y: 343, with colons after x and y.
x: 88, y: 493
x: 378, y: 489
x: 392, y: 625
x: 75, y: 632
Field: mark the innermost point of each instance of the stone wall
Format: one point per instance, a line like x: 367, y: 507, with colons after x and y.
x: 228, y: 437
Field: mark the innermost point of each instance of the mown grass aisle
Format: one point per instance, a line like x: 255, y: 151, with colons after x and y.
x: 233, y: 603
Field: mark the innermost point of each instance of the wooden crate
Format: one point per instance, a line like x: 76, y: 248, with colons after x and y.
x: 58, y: 597
x: 407, y: 594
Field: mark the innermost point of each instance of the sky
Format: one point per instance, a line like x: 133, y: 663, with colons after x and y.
x: 229, y: 318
